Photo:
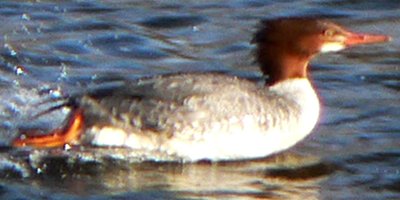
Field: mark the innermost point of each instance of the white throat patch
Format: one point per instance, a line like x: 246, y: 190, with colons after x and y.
x: 332, y: 47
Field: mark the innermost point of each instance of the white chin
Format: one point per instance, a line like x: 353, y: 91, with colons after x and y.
x: 331, y: 47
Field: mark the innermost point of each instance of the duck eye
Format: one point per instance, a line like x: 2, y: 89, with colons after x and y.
x: 329, y: 32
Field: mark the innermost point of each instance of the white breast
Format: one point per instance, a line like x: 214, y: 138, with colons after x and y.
x: 301, y: 93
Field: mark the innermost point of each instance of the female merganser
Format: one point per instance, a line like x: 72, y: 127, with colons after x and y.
x: 211, y: 116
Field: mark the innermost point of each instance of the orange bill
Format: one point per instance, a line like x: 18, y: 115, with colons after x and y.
x: 364, y: 38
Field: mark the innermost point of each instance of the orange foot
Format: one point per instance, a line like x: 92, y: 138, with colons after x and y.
x: 56, y: 138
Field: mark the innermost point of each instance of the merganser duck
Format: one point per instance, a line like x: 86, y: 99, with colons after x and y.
x: 196, y: 116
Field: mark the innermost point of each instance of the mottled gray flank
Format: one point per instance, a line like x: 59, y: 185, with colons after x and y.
x: 170, y: 103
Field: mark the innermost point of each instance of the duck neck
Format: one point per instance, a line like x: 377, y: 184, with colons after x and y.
x: 279, y: 65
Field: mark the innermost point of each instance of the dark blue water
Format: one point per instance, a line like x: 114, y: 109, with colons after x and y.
x: 49, y: 49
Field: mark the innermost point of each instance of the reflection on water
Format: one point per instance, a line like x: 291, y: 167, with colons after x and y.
x: 278, y: 177
x: 48, y: 49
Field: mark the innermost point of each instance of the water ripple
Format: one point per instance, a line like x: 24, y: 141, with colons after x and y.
x: 173, y: 21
